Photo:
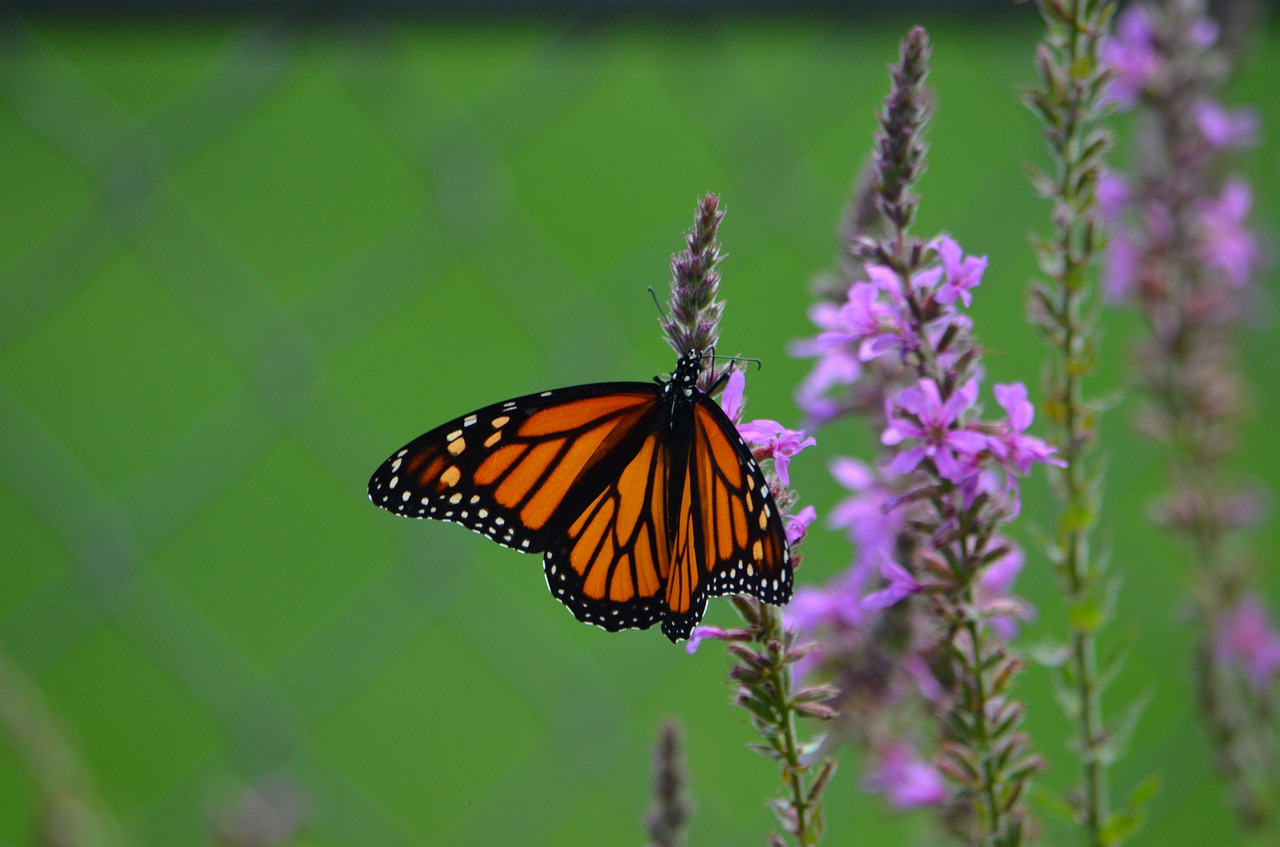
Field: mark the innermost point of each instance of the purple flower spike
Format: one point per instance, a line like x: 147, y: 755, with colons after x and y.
x: 962, y: 273
x: 932, y: 421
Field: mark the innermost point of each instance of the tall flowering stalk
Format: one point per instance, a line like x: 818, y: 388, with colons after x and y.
x: 71, y: 810
x: 1070, y: 102
x: 763, y: 651
x: 666, y: 823
x: 934, y: 567
x: 1183, y: 255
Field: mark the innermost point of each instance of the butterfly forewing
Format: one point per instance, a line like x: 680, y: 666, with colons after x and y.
x: 506, y: 470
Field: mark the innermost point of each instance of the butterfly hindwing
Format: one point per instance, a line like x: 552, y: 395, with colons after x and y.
x: 506, y: 471
x: 612, y: 564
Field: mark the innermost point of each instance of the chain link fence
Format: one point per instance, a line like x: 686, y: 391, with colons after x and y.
x: 242, y: 260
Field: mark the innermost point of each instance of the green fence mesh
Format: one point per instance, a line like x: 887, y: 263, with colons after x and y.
x: 242, y: 260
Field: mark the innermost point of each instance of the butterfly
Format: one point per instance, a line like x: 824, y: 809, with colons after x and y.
x: 643, y: 498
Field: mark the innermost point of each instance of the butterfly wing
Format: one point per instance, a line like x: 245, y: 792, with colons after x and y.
x: 511, y: 471
x: 729, y: 535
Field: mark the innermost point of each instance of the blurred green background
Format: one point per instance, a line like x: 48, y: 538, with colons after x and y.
x: 241, y: 261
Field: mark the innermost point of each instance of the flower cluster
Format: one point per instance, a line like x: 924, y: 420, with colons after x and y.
x: 948, y: 482
x: 918, y: 624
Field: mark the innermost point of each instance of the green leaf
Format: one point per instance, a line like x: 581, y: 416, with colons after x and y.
x: 1120, y: 826
x: 1049, y: 653
x: 1065, y: 694
x: 1122, y: 730
x: 1076, y: 518
x: 1144, y: 793
x: 1085, y: 615
x: 1053, y: 803
x: 1111, y: 664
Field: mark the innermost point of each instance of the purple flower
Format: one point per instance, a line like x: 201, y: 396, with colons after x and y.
x: 1002, y: 610
x: 798, y: 524
x: 901, y: 584
x: 863, y: 317
x: 701, y: 632
x: 731, y: 400
x: 1226, y: 243
x: 836, y: 604
x: 860, y: 318
x: 897, y: 329
x: 777, y: 442
x: 918, y: 668
x: 1247, y: 637
x: 1120, y: 267
x: 1016, y: 450
x: 962, y: 273
x: 907, y: 781
x: 837, y: 366
x: 933, y: 422
x: 1203, y: 33
x: 765, y: 436
x: 1132, y: 57
x: 1112, y: 194
x: 1226, y: 127
x: 871, y: 526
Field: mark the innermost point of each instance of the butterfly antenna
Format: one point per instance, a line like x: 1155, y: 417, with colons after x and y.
x: 661, y: 310
x: 759, y: 364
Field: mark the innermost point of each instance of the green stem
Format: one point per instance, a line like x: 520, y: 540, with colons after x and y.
x: 1073, y: 106
x: 778, y: 676
x: 990, y: 775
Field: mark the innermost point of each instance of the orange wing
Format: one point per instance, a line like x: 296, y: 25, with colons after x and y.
x: 612, y: 565
x: 729, y: 536
x: 511, y: 471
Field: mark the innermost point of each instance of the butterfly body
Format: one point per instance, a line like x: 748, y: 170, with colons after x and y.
x: 642, y: 497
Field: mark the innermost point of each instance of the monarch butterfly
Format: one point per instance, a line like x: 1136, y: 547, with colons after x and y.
x: 642, y: 497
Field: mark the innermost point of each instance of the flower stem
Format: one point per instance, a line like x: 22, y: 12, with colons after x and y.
x: 1068, y: 102
x: 763, y: 672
